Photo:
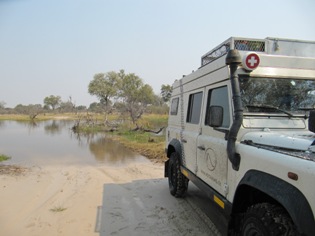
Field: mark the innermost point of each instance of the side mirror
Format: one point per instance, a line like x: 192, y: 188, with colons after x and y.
x: 311, y: 121
x: 215, y: 116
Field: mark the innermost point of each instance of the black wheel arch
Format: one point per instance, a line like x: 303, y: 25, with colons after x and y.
x: 257, y: 186
x: 173, y: 146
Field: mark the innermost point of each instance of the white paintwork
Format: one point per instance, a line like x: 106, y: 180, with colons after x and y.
x: 212, y: 164
x: 288, y: 139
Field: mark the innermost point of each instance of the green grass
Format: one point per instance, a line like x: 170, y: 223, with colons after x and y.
x: 140, y: 136
x: 155, y: 120
x: 147, y: 144
x: 58, y: 209
x: 150, y: 122
x: 4, y: 157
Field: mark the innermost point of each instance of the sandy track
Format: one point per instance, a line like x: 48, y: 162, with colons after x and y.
x: 89, y: 200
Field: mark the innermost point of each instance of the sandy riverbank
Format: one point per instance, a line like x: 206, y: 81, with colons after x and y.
x: 60, y: 200
x: 95, y: 200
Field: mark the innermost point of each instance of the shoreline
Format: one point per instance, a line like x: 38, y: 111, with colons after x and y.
x: 64, y: 200
x: 60, y: 200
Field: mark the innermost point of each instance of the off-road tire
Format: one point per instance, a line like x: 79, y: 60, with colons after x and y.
x: 178, y: 183
x: 265, y: 219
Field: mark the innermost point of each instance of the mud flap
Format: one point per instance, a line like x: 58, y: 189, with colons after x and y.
x: 166, y: 168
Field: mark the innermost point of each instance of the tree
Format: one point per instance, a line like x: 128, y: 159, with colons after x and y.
x: 136, y: 95
x: 105, y: 87
x: 34, y: 110
x: 81, y: 108
x: 31, y: 110
x: 127, y: 88
x: 166, y: 92
x: 2, y: 105
x: 67, y: 106
x: 52, y: 101
x: 96, y: 107
x: 20, y: 109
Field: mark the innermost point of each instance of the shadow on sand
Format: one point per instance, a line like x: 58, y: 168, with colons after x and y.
x: 145, y: 207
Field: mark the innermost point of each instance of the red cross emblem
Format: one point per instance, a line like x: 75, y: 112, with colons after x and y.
x: 252, y: 61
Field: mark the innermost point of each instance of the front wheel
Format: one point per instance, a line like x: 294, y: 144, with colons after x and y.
x: 178, y: 183
x: 265, y: 219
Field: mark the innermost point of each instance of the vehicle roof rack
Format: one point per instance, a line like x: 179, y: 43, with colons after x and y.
x: 243, y: 44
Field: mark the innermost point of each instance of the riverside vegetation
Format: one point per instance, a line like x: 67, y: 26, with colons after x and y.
x: 146, y: 137
x: 4, y: 157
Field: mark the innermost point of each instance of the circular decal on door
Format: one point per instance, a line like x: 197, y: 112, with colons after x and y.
x: 211, y: 159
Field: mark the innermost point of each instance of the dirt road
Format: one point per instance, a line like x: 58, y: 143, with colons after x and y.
x: 96, y: 200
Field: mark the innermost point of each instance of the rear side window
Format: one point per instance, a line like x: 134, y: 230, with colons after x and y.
x: 174, y: 106
x: 219, y: 97
x: 194, y: 108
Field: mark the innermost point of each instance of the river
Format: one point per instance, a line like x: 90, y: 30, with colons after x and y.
x: 53, y: 142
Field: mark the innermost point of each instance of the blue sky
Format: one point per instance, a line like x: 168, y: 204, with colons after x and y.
x: 56, y: 47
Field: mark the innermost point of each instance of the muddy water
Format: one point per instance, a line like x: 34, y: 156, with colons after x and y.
x: 53, y: 142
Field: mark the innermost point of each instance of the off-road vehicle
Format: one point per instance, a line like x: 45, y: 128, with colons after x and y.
x: 241, y: 128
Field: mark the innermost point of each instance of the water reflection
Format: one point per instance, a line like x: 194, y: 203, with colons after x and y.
x: 53, y: 142
x: 107, y: 150
x: 29, y: 124
x: 55, y: 127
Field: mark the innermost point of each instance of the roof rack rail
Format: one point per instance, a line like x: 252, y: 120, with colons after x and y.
x: 243, y: 44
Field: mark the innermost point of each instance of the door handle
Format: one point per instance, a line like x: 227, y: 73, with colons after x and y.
x: 202, y: 147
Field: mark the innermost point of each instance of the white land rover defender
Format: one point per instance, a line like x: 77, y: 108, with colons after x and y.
x: 241, y: 128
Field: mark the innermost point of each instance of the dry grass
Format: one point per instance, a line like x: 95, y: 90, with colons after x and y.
x: 12, y: 170
x: 152, y: 150
x: 58, y: 209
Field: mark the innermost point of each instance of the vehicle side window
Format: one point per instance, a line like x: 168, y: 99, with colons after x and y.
x: 174, y: 106
x: 194, y: 108
x: 219, y: 97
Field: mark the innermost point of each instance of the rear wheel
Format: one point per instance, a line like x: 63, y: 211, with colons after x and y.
x: 265, y: 219
x: 178, y: 183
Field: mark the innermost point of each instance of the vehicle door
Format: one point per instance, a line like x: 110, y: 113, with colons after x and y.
x: 212, y: 156
x: 190, y: 133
